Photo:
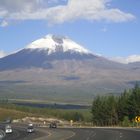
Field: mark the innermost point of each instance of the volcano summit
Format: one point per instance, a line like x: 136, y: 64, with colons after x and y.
x: 40, y: 52
x: 55, y: 68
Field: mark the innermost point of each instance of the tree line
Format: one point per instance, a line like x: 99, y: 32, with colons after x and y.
x: 117, y: 110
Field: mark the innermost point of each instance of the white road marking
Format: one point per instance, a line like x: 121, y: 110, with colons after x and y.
x: 73, y: 134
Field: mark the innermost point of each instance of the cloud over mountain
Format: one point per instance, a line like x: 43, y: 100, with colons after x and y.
x: 126, y: 60
x: 2, y: 54
x: 93, y: 10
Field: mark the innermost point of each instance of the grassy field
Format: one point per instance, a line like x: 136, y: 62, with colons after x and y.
x: 56, y: 94
x: 17, y: 112
x: 12, y: 113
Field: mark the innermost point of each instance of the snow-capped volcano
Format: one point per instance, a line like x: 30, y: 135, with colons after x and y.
x: 42, y: 52
x: 58, y: 65
x: 54, y: 43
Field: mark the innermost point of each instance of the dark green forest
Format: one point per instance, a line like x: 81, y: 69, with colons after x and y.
x: 117, y: 110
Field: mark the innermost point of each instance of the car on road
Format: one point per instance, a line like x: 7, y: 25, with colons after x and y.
x: 53, y: 125
x: 30, y: 128
x: 8, y: 129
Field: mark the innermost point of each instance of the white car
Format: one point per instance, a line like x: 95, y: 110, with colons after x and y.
x: 30, y: 128
x: 8, y: 129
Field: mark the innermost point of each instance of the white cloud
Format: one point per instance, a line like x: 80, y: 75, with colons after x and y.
x: 93, y: 10
x: 20, y: 5
x: 2, y: 54
x: 126, y: 60
x: 4, y: 23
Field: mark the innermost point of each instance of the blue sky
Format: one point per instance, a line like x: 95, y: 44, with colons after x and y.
x: 107, y: 27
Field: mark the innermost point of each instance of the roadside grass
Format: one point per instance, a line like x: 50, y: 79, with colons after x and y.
x: 14, y: 114
x: 18, y: 112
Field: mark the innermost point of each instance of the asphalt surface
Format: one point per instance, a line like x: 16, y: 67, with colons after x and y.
x: 75, y: 134
x: 21, y: 134
x: 106, y: 134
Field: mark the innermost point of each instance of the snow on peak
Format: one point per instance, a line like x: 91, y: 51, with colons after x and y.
x: 54, y: 43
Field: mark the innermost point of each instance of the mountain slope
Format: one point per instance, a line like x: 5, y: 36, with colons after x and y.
x: 57, y: 69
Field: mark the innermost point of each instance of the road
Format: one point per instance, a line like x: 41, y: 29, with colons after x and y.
x: 106, y: 134
x: 21, y: 134
x: 75, y: 134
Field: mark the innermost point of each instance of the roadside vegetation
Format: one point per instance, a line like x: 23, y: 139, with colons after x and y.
x: 108, y: 110
x: 117, y: 110
x: 80, y: 115
x: 10, y: 113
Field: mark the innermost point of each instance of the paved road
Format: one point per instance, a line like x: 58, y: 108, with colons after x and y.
x: 106, y: 134
x: 75, y: 134
x: 21, y: 134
